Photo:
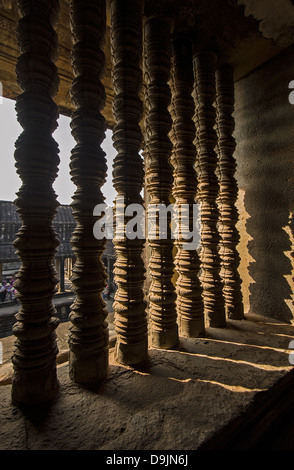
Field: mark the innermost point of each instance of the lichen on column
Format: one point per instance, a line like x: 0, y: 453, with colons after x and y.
x: 228, y: 194
x: 88, y: 338
x: 128, y: 177
x: 206, y: 142
x: 36, y: 155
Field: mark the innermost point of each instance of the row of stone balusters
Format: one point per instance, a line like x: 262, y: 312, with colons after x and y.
x: 199, y: 144
x: 169, y: 139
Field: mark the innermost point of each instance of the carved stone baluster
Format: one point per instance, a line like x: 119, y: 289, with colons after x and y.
x: 88, y: 339
x: 37, y: 160
x: 189, y: 298
x: 206, y: 141
x: 228, y: 193
x: 128, y: 178
x: 159, y: 180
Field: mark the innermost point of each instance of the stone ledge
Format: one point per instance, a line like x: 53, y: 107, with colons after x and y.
x: 6, y: 370
x: 180, y: 401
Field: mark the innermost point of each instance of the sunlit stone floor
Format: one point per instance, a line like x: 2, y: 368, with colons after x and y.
x: 180, y: 401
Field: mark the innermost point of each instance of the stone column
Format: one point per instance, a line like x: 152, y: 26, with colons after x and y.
x: 159, y: 179
x: 128, y: 177
x: 230, y: 259
x: 37, y: 160
x: 189, y: 299
x: 206, y: 142
x: 88, y: 339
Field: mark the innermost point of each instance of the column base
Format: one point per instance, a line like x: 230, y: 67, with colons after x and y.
x: 88, y: 370
x: 219, y: 321
x: 165, y: 339
x: 235, y: 313
x: 131, y: 354
x: 192, y: 328
x: 31, y: 389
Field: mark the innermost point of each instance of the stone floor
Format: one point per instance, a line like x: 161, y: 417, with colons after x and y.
x: 184, y: 397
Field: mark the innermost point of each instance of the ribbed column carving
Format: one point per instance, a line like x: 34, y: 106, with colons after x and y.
x: 128, y: 178
x: 37, y: 160
x: 189, y: 299
x: 206, y: 142
x: 88, y: 338
x: 228, y: 194
x: 159, y: 179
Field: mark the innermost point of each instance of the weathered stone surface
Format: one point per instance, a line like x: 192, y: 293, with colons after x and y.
x: 276, y: 19
x: 88, y: 339
x: 184, y: 397
x: 265, y: 175
x: 6, y: 374
x: 62, y: 356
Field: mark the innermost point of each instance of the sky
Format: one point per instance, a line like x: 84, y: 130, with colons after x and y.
x: 10, y: 182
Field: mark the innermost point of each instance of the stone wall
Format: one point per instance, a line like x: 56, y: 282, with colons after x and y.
x: 265, y: 174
